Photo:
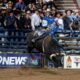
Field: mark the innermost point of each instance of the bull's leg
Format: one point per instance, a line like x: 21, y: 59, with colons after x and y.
x: 60, y: 47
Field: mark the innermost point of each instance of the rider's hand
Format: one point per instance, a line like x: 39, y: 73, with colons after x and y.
x: 33, y: 29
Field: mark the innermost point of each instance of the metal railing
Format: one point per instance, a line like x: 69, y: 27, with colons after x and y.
x: 13, y: 41
x: 69, y: 40
x: 16, y: 40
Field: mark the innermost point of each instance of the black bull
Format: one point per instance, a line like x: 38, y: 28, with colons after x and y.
x: 45, y: 44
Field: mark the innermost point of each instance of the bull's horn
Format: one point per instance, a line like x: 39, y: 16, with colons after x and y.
x: 52, y: 55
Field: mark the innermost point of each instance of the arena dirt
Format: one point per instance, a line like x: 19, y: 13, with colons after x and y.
x: 38, y: 74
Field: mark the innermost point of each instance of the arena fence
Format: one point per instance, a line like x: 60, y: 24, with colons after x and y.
x: 69, y: 40
x: 15, y: 41
x: 70, y: 45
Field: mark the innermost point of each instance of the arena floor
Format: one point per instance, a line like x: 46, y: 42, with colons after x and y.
x: 39, y: 74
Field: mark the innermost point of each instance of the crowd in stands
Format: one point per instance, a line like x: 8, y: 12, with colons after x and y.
x: 22, y: 16
x: 34, y: 15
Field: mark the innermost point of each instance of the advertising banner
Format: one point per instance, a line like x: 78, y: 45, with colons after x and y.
x: 72, y: 62
x: 15, y: 60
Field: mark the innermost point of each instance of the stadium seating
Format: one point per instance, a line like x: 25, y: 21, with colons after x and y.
x: 16, y: 42
x: 67, y: 4
x: 70, y: 41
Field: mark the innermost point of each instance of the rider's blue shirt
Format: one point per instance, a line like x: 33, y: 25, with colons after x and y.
x: 49, y: 19
x: 55, y: 30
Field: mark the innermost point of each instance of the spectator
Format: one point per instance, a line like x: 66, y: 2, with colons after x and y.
x: 19, y: 20
x: 1, y: 28
x: 10, y: 24
x: 59, y: 20
x: 41, y: 14
x: 49, y: 3
x: 1, y: 20
x: 28, y: 20
x: 78, y: 15
x: 35, y: 20
x: 5, y: 3
x: 31, y: 7
x: 68, y: 20
x: 10, y: 20
x: 76, y: 22
x: 53, y: 11
x: 20, y: 5
x: 44, y: 7
x: 0, y: 5
x: 10, y: 5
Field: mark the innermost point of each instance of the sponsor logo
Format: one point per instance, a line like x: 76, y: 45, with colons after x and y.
x: 69, y: 62
x: 13, y: 60
x: 77, y: 61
